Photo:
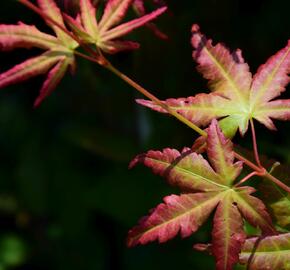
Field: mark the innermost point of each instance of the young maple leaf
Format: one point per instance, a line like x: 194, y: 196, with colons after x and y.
x: 139, y: 8
x: 236, y: 97
x: 104, y: 33
x: 57, y: 58
x: 72, y: 7
x: 271, y: 252
x: 205, y: 187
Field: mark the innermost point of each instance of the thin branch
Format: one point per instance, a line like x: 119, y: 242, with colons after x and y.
x: 259, y: 170
x: 99, y: 59
x: 143, y: 91
x: 255, y: 147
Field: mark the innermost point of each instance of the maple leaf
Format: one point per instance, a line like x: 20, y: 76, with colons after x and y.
x: 104, y: 33
x: 236, y: 96
x: 206, y: 186
x: 271, y: 252
x: 139, y: 8
x: 57, y: 58
x: 72, y: 7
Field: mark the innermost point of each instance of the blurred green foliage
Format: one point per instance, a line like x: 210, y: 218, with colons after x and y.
x: 67, y: 198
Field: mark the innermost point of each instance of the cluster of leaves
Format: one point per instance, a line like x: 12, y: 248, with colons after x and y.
x: 207, y: 185
x: 72, y: 6
x: 60, y: 49
x: 236, y: 99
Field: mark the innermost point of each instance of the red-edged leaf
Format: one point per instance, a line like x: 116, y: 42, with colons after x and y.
x: 187, y: 170
x: 58, y: 57
x: 227, y: 235
x: 271, y: 78
x: 50, y: 8
x: 200, y: 109
x: 24, y: 36
x: 240, y: 98
x: 29, y: 68
x: 183, y: 213
x: 88, y: 16
x: 126, y: 28
x: 254, y: 210
x: 103, y: 33
x: 53, y: 78
x: 139, y: 8
x: 78, y: 29
x: 227, y: 72
x: 191, y: 172
x: 267, y: 253
x: 221, y: 155
x: 115, y: 11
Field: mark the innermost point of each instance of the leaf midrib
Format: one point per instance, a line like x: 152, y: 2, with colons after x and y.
x: 180, y: 215
x: 269, y: 79
x: 225, y: 74
x: 191, y: 173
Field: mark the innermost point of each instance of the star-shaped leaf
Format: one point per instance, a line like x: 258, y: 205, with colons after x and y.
x: 106, y: 32
x: 205, y: 185
x: 57, y: 58
x: 236, y: 96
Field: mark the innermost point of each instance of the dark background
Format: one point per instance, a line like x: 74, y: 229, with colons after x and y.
x: 67, y: 198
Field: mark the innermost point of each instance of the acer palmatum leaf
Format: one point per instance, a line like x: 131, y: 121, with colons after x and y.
x: 267, y: 253
x: 59, y: 55
x: 204, y: 188
x: 261, y: 253
x: 139, y: 8
x: 236, y: 96
x: 106, y: 32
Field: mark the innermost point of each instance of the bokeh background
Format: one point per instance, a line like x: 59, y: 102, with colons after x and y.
x: 67, y: 198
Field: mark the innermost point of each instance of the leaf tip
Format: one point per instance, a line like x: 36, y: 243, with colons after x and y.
x: 138, y: 159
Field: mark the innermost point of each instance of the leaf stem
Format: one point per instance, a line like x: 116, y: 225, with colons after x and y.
x: 246, y: 178
x: 258, y: 170
x: 98, y: 58
x: 255, y: 147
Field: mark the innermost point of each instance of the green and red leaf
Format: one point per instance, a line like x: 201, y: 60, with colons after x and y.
x: 221, y: 156
x: 254, y: 210
x: 184, y: 213
x: 263, y: 253
x: 88, y: 17
x: 53, y: 79
x: 186, y: 170
x: 228, y: 235
x: 206, y: 187
x: 50, y: 8
x: 29, y: 68
x: 24, y: 36
x: 56, y: 60
x: 105, y: 34
x: 240, y: 98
